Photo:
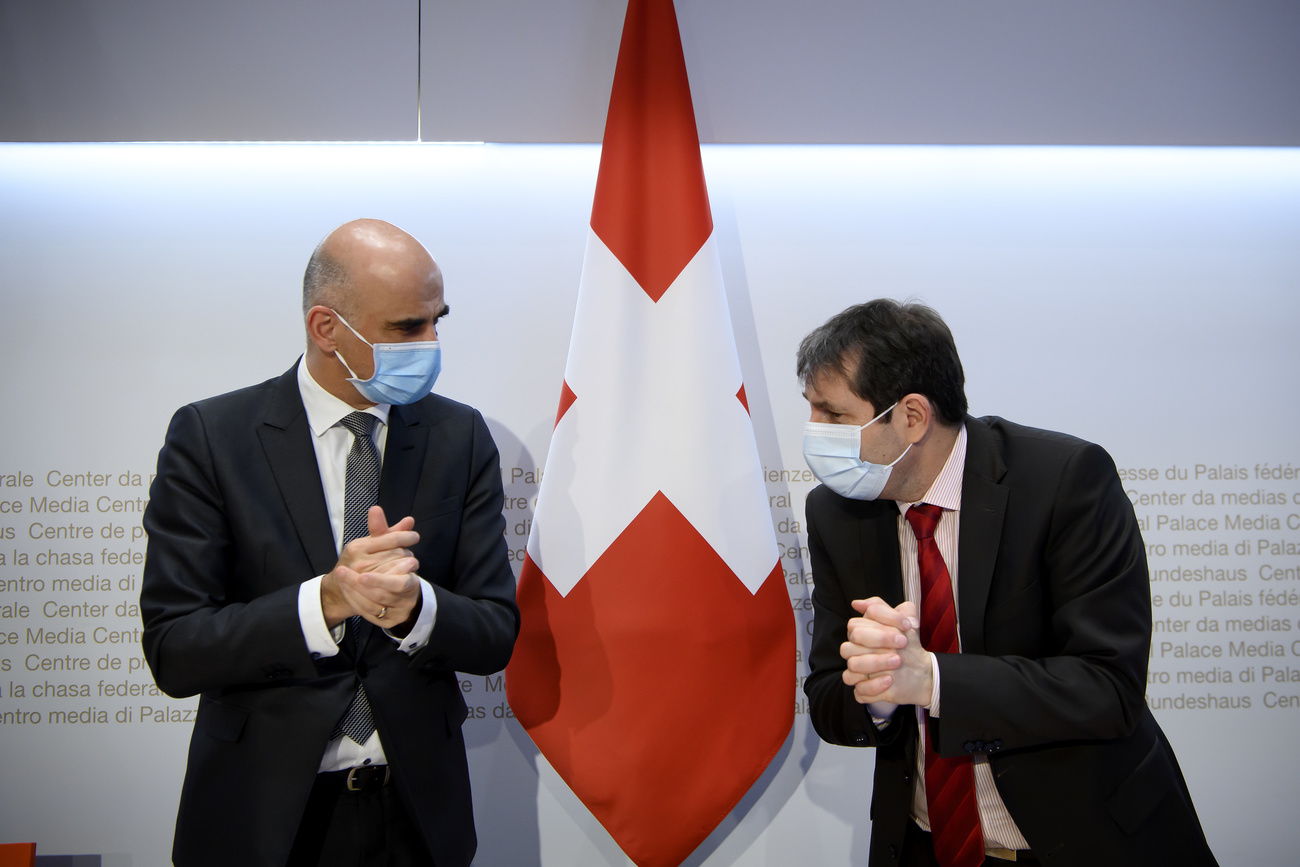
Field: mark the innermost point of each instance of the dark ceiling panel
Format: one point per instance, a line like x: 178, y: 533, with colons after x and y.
x: 506, y: 70
x: 161, y: 70
x: 1177, y: 72
x: 1180, y: 72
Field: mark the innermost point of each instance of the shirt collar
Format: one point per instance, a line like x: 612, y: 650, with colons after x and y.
x: 324, y: 410
x: 945, y: 490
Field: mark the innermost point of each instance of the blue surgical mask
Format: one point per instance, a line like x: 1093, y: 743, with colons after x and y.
x: 404, y: 372
x: 833, y: 453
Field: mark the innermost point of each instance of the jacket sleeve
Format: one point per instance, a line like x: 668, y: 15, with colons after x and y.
x: 836, y: 715
x: 1066, y: 650
x: 477, y: 617
x: 204, y: 626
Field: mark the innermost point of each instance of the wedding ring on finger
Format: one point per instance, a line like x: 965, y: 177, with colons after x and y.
x: 382, y: 612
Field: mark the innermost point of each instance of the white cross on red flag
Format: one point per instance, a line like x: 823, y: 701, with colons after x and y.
x: 655, y: 664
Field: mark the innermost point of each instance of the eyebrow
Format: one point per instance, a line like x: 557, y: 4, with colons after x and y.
x: 412, y: 323
x: 409, y: 324
x: 803, y: 392
x: 825, y: 405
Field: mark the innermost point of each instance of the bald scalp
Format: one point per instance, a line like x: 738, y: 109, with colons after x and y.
x: 352, y: 251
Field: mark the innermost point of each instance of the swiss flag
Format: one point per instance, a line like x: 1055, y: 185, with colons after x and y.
x: 655, y: 665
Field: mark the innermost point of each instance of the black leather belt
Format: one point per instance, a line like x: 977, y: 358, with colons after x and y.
x: 366, y: 778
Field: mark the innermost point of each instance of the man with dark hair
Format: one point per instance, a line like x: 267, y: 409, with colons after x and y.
x: 325, y: 641
x: 999, y: 671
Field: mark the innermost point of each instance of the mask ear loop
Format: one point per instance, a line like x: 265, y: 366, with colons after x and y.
x: 339, y: 355
x: 888, y: 410
x: 346, y: 367
x: 889, y: 465
x: 900, y: 457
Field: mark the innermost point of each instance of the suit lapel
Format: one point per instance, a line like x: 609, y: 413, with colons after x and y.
x: 408, y: 435
x: 879, y: 539
x: 983, y: 507
x: 287, y: 446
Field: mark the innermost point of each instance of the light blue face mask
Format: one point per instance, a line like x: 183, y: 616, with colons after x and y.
x: 834, y: 454
x: 404, y: 372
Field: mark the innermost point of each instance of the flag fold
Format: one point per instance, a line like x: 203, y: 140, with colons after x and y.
x: 655, y: 663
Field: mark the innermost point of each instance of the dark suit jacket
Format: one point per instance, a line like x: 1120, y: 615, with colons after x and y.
x: 237, y: 521
x: 1055, y: 621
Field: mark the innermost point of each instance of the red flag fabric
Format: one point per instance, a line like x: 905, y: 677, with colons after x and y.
x: 655, y: 664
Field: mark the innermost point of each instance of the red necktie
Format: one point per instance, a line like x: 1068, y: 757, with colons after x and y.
x: 949, y: 782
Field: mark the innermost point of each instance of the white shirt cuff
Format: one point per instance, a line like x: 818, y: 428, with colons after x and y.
x: 934, y: 690
x: 321, y: 640
x: 881, y: 712
x: 423, y: 628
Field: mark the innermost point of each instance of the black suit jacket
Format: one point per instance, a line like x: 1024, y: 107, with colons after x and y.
x: 236, y: 522
x: 1055, y: 621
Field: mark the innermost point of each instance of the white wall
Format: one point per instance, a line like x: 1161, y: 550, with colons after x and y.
x: 1143, y: 298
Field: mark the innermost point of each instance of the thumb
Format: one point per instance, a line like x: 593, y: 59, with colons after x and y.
x: 908, y: 610
x: 377, y: 520
x: 861, y: 605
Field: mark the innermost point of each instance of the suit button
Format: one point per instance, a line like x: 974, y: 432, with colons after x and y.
x: 859, y: 738
x: 893, y: 852
x: 907, y: 779
x: 362, y: 668
x: 969, y: 746
x: 979, y: 746
x: 996, y: 745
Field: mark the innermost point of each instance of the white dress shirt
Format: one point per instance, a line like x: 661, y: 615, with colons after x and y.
x: 996, y: 823
x: 332, y: 442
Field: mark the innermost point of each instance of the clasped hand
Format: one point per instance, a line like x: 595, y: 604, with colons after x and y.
x: 375, y: 576
x: 884, y: 660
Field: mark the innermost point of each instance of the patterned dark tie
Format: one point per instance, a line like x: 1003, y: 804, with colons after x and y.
x: 361, y: 490
x: 949, y: 782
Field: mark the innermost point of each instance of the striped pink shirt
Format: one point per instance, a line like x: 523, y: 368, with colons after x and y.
x: 999, y: 828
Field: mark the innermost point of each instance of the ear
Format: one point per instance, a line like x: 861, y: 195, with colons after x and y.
x: 321, y: 324
x: 918, y: 416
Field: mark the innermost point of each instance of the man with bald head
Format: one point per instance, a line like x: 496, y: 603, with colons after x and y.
x: 326, y: 551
